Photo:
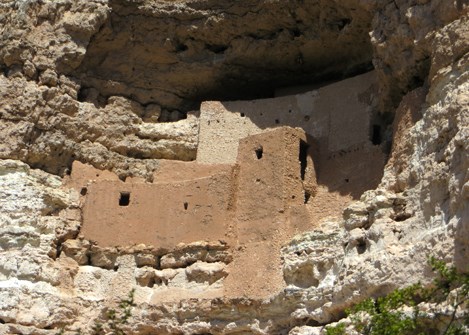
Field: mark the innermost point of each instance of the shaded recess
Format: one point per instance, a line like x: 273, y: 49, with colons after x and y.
x: 177, y: 56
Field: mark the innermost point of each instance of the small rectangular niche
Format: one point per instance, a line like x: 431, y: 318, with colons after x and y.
x: 124, y: 199
x: 259, y: 152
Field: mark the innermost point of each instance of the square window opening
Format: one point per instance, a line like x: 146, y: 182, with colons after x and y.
x: 124, y: 199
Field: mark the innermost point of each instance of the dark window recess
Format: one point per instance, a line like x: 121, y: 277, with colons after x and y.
x: 307, y: 196
x: 376, y: 135
x: 124, y: 199
x: 277, y: 121
x: 303, y: 158
x: 242, y: 114
x: 186, y: 205
x: 296, y: 32
x: 83, y: 191
x: 259, y: 152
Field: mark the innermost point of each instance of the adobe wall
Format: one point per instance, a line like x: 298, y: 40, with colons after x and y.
x: 161, y: 214
x: 82, y: 174
x: 270, y: 182
x: 270, y: 208
x: 189, y: 201
x: 169, y: 170
x: 324, y: 114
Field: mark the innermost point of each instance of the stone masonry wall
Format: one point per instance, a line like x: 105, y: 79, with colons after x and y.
x: 338, y: 116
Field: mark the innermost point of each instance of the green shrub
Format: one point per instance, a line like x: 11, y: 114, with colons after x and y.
x: 338, y: 329
x: 116, y: 319
x: 398, y: 313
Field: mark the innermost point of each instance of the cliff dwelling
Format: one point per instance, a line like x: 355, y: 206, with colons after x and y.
x: 265, y: 170
x: 223, y: 167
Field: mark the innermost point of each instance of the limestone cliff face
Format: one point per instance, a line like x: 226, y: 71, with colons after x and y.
x: 97, y: 81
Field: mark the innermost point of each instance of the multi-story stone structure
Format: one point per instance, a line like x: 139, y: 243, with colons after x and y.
x: 256, y: 181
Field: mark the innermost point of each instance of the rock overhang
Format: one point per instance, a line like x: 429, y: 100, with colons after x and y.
x: 177, y: 56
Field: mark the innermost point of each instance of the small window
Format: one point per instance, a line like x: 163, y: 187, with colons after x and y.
x: 186, y: 205
x: 242, y: 114
x: 259, y: 152
x: 83, y: 191
x: 124, y: 199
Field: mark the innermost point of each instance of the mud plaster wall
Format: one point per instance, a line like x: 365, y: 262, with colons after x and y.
x: 338, y: 116
x: 269, y: 183
x: 269, y: 210
x: 200, y: 206
x: 161, y: 214
x: 343, y: 129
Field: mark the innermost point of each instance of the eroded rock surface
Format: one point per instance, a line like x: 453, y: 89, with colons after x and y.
x: 93, y: 81
x: 48, y: 128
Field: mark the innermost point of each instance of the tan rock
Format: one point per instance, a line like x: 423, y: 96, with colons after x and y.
x: 77, y: 250
x: 87, y: 81
x: 206, y: 272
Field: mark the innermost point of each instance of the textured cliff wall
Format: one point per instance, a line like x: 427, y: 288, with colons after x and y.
x: 94, y: 81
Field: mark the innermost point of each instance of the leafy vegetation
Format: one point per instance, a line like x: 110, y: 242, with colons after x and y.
x: 116, y: 319
x: 399, y: 313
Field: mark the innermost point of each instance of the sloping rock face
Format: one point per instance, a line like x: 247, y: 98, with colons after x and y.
x: 92, y: 81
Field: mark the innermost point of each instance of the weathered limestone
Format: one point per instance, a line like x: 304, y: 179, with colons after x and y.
x: 49, y: 129
x: 56, y: 108
x: 173, y: 53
